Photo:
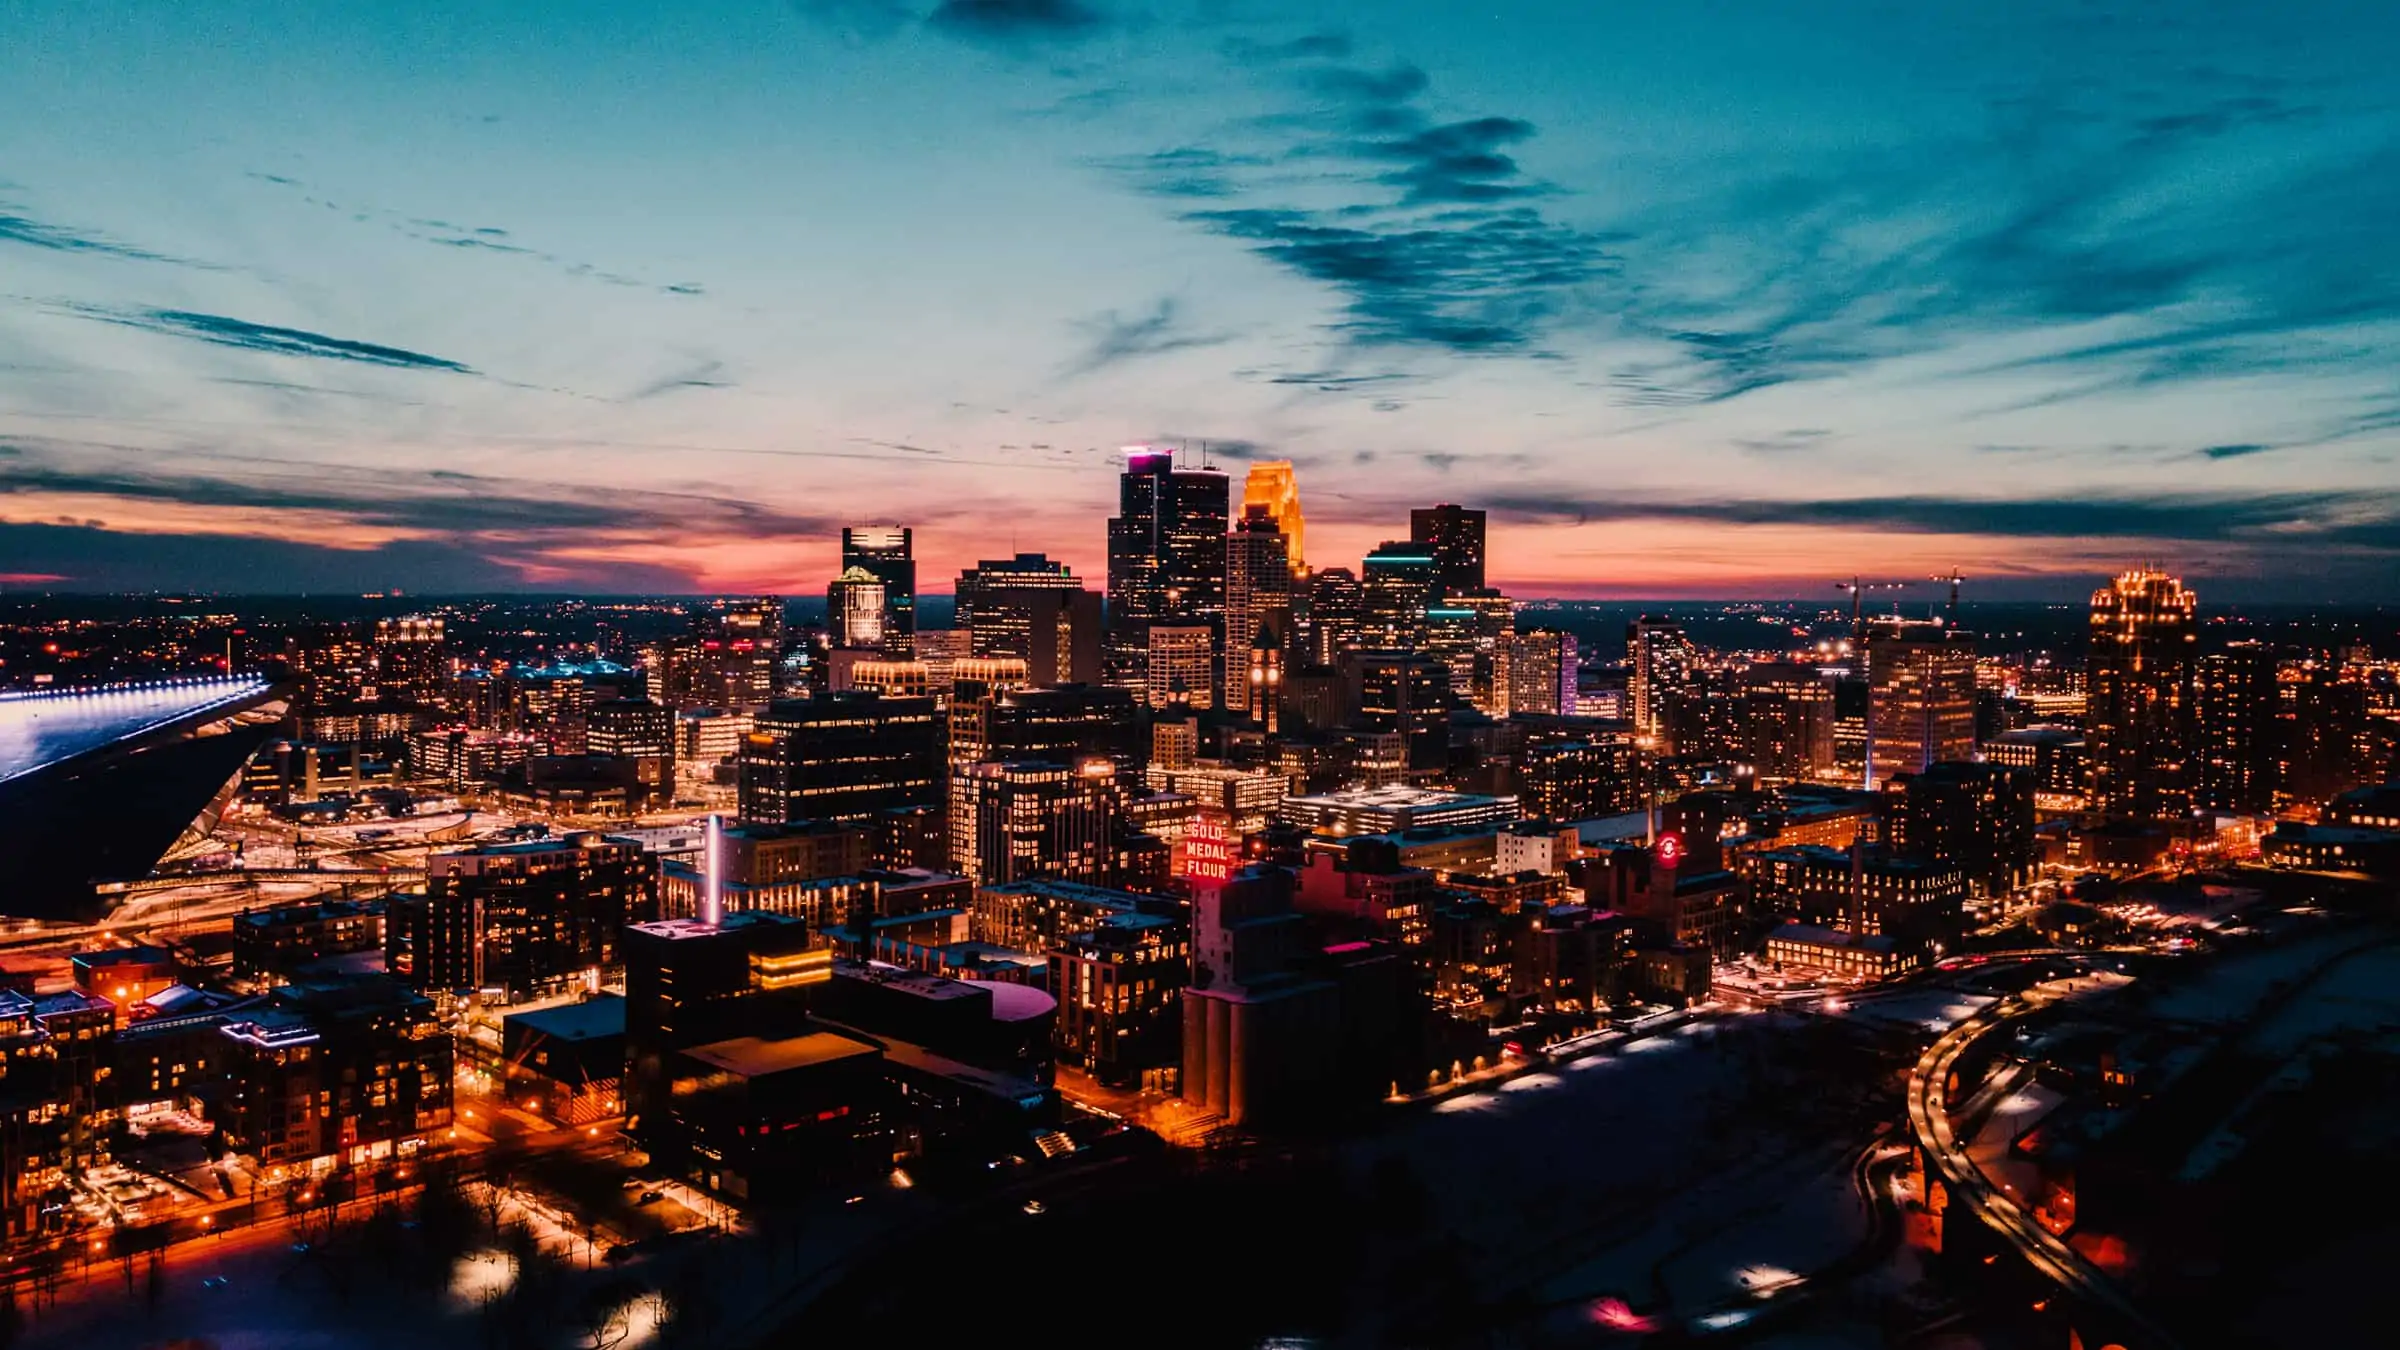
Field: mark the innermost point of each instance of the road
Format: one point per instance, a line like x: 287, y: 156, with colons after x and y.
x: 1929, y: 1119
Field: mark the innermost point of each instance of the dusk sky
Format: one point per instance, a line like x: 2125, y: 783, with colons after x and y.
x: 1700, y: 299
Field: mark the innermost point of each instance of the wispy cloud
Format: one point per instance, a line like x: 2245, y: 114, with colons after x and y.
x: 221, y: 331
x: 1112, y: 337
x: 16, y: 228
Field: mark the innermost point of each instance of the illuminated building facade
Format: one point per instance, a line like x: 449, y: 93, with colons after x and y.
x: 841, y: 757
x: 1179, y: 665
x: 1398, y: 583
x: 1025, y: 819
x: 1405, y: 694
x: 887, y: 553
x: 412, y: 659
x: 1258, y: 607
x: 2138, y: 700
x: 1034, y: 609
x: 354, y: 1071
x: 1787, y: 721
x: 1166, y: 554
x: 519, y: 919
x: 1273, y: 487
x: 854, y: 610
x: 1661, y: 663
x: 1921, y: 696
x: 1541, y: 673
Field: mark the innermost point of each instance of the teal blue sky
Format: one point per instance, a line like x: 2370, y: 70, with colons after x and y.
x: 1705, y: 299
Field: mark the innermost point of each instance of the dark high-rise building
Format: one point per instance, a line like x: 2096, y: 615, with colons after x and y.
x: 2332, y: 739
x: 1335, y: 609
x: 1976, y: 816
x: 842, y: 757
x: 691, y: 983
x: 1397, y: 584
x: 1166, y: 553
x: 1921, y: 696
x: 1062, y: 725
x: 886, y: 552
x: 521, y: 919
x: 2235, y: 701
x: 2138, y: 700
x: 1258, y: 603
x: 1409, y: 695
x: 1454, y: 534
x: 1032, y: 608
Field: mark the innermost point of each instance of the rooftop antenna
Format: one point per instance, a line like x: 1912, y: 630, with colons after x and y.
x: 1954, y: 578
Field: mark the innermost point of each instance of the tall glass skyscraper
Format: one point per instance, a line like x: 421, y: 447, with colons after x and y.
x: 886, y: 551
x: 2138, y: 722
x: 1166, y: 553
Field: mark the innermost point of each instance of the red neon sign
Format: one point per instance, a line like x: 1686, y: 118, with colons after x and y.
x: 1211, y: 850
x: 1669, y: 849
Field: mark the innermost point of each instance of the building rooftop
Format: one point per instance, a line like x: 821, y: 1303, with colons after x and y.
x: 1395, y: 796
x: 684, y: 929
x: 595, y: 1018
x: 756, y: 1057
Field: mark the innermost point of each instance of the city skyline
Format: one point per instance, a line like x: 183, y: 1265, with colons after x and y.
x: 629, y: 300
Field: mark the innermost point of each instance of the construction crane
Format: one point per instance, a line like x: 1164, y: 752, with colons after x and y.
x: 1954, y: 578
x: 1858, y: 592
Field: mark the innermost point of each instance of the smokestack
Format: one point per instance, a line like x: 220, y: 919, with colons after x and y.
x: 712, y: 884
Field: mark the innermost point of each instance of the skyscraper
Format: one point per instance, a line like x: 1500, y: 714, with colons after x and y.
x: 887, y: 552
x: 1166, y: 553
x: 1336, y: 608
x: 2138, y: 699
x: 1179, y: 665
x: 841, y: 757
x: 739, y: 643
x: 1661, y: 663
x: 1787, y: 721
x: 1921, y: 696
x: 1258, y: 597
x: 2236, y: 704
x: 1398, y: 582
x: 1010, y: 821
x: 1455, y: 536
x: 1035, y: 609
x: 412, y: 662
x: 1272, y: 486
x: 1541, y: 673
x: 855, y: 610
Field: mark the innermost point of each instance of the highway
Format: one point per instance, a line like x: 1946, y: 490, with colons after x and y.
x: 1929, y: 1118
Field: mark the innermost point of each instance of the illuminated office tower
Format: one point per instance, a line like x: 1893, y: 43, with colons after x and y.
x: 1336, y: 610
x: 1011, y: 821
x: 2138, y: 696
x: 840, y: 757
x: 2236, y: 702
x: 1787, y: 721
x: 854, y: 610
x: 1482, y: 676
x: 1454, y: 535
x: 1920, y: 696
x: 1166, y: 554
x: 739, y: 643
x: 887, y: 552
x: 1541, y: 673
x: 1180, y: 665
x: 1398, y: 582
x: 1258, y: 598
x: 1661, y: 665
x: 412, y: 661
x: 1272, y: 486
